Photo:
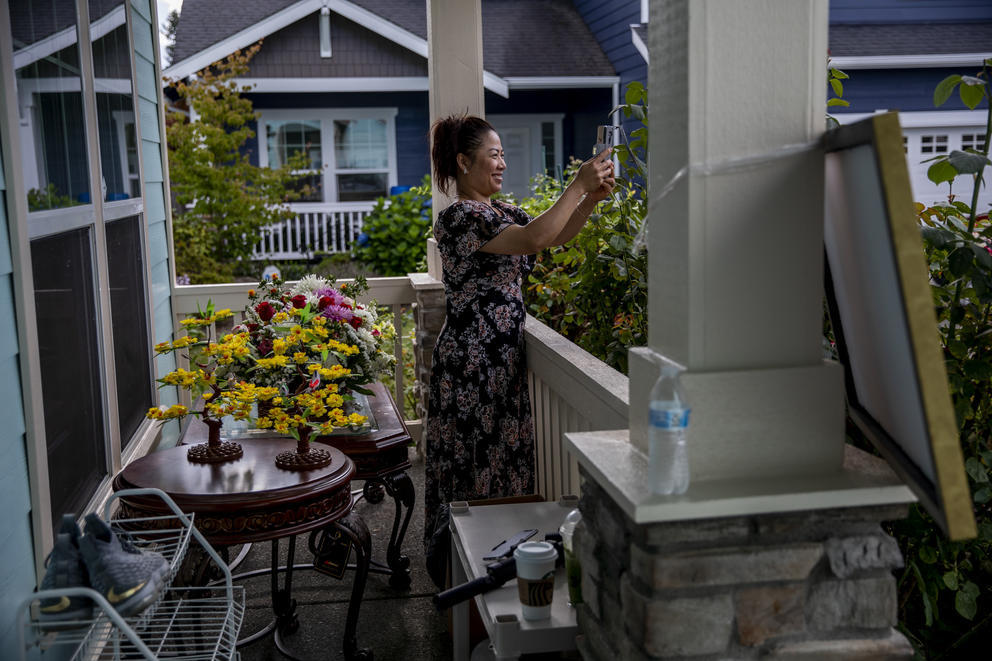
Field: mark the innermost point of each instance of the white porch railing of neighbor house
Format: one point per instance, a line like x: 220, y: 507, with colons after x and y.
x: 316, y: 227
x: 393, y: 293
x: 571, y: 391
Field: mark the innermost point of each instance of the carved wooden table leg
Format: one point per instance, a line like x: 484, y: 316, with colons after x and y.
x: 354, y: 527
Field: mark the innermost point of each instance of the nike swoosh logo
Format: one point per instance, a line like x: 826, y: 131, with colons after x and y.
x: 115, y: 598
x: 57, y: 608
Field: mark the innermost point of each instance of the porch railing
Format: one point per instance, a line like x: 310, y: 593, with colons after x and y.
x: 571, y: 391
x: 315, y: 228
x: 393, y: 293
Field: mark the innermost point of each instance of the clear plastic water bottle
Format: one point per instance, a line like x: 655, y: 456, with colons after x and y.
x: 573, y: 570
x: 668, y: 467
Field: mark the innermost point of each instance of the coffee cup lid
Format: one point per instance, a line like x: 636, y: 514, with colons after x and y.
x: 535, y: 551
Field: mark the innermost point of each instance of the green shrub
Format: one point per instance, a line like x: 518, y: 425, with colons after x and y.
x: 594, y: 289
x: 944, y: 592
x: 394, y: 236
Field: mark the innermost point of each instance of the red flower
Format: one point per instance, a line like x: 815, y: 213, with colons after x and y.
x: 355, y: 322
x: 324, y: 302
x: 265, y: 310
x: 299, y: 301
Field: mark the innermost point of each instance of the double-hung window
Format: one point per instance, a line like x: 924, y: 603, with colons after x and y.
x: 350, y: 154
x: 81, y: 164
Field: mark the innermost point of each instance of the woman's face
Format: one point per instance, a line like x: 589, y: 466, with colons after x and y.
x: 485, y: 169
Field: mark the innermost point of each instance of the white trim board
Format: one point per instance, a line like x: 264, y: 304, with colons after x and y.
x: 300, y: 10
x: 639, y: 44
x: 560, y: 82
x: 908, y: 61
x: 924, y: 119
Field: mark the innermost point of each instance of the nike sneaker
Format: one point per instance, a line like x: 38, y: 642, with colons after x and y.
x: 65, y: 569
x: 131, y: 581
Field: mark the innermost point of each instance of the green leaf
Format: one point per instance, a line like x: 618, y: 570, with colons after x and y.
x: 960, y: 261
x: 837, y: 102
x: 971, y: 91
x: 965, y: 604
x: 927, y: 555
x: 951, y: 580
x: 944, y: 89
x: 634, y: 93
x: 967, y: 163
x: 837, y: 86
x: 982, y: 496
x: 941, y: 171
x: 970, y: 588
x: 927, y: 607
x: 976, y: 470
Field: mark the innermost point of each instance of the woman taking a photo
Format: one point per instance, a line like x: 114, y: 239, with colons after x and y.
x: 479, y: 434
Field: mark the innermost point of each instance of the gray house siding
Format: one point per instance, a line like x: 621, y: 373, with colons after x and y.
x: 900, y: 11
x: 16, y: 550
x: 356, y: 52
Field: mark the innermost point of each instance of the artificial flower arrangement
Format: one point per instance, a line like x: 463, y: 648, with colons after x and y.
x: 299, y: 355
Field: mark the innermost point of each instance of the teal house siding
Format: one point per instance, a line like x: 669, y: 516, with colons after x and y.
x: 17, y: 579
x: 156, y: 226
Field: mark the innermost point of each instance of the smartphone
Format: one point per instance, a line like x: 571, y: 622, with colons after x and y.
x: 605, y: 137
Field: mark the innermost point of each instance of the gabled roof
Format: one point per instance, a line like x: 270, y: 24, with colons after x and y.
x: 521, y: 38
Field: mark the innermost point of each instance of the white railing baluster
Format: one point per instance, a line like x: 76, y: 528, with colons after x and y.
x: 571, y: 391
x: 397, y: 309
x: 315, y: 227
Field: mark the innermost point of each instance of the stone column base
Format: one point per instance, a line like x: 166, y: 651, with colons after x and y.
x: 798, y: 585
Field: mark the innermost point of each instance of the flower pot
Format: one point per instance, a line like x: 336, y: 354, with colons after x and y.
x: 214, y: 451
x: 306, y: 456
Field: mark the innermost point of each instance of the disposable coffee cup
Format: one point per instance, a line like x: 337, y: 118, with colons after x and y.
x: 535, y: 578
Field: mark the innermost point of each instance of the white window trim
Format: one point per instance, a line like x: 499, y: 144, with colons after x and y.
x: 327, y: 117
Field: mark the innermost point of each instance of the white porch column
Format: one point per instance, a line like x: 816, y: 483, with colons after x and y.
x: 736, y: 268
x: 454, y: 68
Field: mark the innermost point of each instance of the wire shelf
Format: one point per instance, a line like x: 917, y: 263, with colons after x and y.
x: 186, y: 623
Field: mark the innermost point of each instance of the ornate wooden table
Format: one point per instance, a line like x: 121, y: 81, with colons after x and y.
x: 381, y: 459
x: 251, y: 500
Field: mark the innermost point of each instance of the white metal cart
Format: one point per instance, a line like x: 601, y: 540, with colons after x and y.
x: 184, y: 623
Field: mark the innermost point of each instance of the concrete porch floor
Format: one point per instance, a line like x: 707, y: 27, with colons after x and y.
x: 394, y: 624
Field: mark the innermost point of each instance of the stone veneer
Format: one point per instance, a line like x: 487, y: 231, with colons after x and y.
x: 429, y: 313
x: 798, y: 585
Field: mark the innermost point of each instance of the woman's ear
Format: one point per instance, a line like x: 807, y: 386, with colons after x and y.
x: 462, y: 161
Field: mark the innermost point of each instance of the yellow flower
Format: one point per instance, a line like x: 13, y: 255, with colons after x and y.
x: 299, y: 358
x: 280, y: 318
x: 274, y: 362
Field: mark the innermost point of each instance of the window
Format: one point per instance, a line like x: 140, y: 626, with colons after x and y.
x: 351, y: 154
x: 361, y: 156
x: 287, y: 138
x: 83, y: 224
x: 974, y: 141
x: 933, y: 144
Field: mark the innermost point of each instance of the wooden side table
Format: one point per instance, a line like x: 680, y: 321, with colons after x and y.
x: 251, y: 500
x: 381, y: 459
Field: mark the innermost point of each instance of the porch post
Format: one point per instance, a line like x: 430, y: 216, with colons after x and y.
x: 776, y: 550
x: 454, y: 69
x: 737, y: 93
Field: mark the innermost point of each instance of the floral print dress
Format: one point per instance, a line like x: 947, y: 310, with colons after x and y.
x: 479, y: 436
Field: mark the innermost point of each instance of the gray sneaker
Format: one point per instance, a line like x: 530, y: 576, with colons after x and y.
x: 65, y: 569
x: 130, y: 581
